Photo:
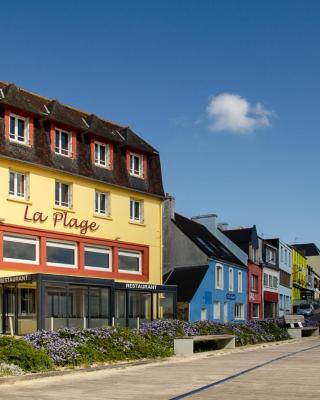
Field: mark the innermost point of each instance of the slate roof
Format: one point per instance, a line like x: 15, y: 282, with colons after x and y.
x: 205, y: 240
x: 50, y: 111
x: 187, y: 279
x: 307, y: 249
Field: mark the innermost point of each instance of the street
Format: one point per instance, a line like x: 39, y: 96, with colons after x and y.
x: 277, y: 371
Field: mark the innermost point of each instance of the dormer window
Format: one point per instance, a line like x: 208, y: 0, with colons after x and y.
x: 63, y: 143
x: 136, y: 165
x: 18, y: 129
x: 102, y: 154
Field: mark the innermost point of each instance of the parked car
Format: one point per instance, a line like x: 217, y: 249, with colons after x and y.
x: 305, y: 309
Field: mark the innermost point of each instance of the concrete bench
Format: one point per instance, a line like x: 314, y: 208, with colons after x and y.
x: 296, y: 329
x: 185, y: 345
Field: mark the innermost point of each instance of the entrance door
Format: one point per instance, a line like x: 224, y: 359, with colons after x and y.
x: 9, y: 307
x: 225, y: 312
x: 204, y: 315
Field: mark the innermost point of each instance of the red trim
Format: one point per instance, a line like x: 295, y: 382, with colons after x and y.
x: 270, y: 296
x: 101, y: 140
x: 22, y: 114
x: 80, y: 270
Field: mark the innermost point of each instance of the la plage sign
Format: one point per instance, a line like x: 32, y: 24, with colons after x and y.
x: 61, y: 218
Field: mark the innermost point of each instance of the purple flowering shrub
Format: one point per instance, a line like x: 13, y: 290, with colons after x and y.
x: 74, y: 346
x: 249, y: 332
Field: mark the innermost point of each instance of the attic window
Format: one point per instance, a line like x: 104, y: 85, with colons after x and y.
x: 63, y: 143
x: 136, y: 165
x: 18, y: 129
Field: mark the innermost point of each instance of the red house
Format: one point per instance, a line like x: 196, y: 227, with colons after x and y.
x: 247, y: 239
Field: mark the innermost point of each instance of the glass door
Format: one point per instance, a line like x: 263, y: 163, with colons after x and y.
x: 9, y: 308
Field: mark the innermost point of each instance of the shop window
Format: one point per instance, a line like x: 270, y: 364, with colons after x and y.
x: 120, y: 308
x: 136, y: 165
x: 63, y: 143
x: 102, y: 203
x: 136, y: 210
x: 63, y: 195
x: 165, y: 306
x: 219, y: 277
x: 239, y: 311
x: 97, y: 258
x: 23, y: 249
x: 18, y: 185
x: 130, y: 261
x: 99, y: 307
x: 62, y: 254
x: 240, y: 283
x: 139, y: 306
x: 230, y: 279
x: 18, y: 130
x: 216, y: 310
x: 102, y: 155
x: 255, y: 310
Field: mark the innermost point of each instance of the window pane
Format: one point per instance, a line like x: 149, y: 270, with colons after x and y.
x: 64, y: 143
x: 19, y: 248
x: 64, y: 194
x: 137, y: 210
x: 102, y: 155
x: 129, y: 261
x: 12, y: 127
x: 20, y: 185
x: 21, y: 126
x: 97, y: 258
x: 102, y: 203
x: 11, y: 183
x: 58, y: 254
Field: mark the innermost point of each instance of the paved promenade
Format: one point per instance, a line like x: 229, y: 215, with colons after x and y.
x: 282, y: 371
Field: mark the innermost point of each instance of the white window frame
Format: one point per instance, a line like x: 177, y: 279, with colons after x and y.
x: 22, y: 239
x: 141, y: 209
x: 237, y: 307
x: 130, y: 253
x: 58, y: 201
x: 57, y: 146
x: 63, y: 245
x: 26, y: 129
x: 240, y: 282
x: 254, y: 278
x: 258, y: 305
x: 26, y: 185
x: 270, y: 260
x: 98, y: 249
x: 140, y: 173
x: 216, y: 309
x: 231, y: 279
x: 107, y: 204
x: 97, y: 161
x: 219, y: 266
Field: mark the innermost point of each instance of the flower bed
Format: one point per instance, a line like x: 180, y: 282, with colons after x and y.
x: 44, y: 350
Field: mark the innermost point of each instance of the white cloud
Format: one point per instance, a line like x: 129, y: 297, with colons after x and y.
x: 231, y: 112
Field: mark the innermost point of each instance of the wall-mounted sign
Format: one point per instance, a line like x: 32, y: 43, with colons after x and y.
x: 61, y: 218
x: 143, y: 286
x: 230, y: 296
x: 251, y: 296
x: 16, y: 279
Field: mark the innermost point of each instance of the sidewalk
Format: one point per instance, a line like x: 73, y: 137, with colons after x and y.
x: 294, y: 376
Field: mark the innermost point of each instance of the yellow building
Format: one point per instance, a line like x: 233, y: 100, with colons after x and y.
x: 80, y: 219
x: 299, y: 275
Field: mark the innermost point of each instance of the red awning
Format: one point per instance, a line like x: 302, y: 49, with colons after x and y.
x: 271, y: 296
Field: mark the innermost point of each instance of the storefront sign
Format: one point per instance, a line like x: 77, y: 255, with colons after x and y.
x: 230, y: 296
x: 61, y: 218
x: 16, y: 279
x: 141, y: 286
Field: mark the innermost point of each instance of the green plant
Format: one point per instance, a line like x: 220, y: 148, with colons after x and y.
x: 20, y: 353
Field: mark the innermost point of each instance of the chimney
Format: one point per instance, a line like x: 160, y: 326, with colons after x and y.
x: 169, y: 206
x: 208, y: 220
x: 223, y: 226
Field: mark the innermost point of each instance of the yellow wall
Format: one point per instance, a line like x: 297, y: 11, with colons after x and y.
x: 299, y: 273
x: 117, y: 227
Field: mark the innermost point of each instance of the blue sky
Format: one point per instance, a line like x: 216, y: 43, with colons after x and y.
x: 158, y: 66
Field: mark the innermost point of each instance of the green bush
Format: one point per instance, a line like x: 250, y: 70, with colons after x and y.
x: 20, y: 353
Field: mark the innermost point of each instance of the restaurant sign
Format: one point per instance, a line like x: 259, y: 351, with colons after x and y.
x: 16, y: 279
x: 61, y: 218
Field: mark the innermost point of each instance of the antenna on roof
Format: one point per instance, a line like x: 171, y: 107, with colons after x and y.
x: 2, y: 94
x: 47, y: 109
x: 86, y: 123
x: 120, y: 135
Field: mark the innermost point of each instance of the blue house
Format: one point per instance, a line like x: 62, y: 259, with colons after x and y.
x: 209, y: 270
